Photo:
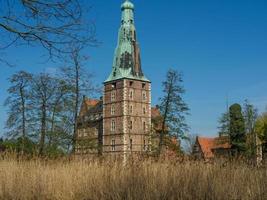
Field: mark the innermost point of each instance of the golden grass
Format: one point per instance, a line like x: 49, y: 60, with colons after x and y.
x: 80, y: 179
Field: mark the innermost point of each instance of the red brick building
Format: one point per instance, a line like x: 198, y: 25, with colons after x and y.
x: 210, y: 148
x: 121, y: 122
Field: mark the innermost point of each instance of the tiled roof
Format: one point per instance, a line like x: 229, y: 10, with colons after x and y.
x: 207, y: 145
x: 91, y: 102
x: 155, y: 112
x: 87, y: 105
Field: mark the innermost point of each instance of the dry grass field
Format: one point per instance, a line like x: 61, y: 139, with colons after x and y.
x: 85, y: 180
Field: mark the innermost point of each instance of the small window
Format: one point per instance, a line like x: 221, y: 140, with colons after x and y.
x: 112, y: 109
x: 131, y: 109
x: 131, y: 125
x: 114, y: 84
x: 113, y: 96
x: 144, y: 110
x: 113, y: 125
x: 143, y: 85
x: 113, y: 145
x: 144, y: 95
x: 131, y: 144
x: 131, y: 95
x: 144, y: 126
x: 131, y: 83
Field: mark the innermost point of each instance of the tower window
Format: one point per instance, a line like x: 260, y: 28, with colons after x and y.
x: 113, y: 145
x: 131, y: 144
x: 144, y: 126
x: 144, y: 110
x: 113, y: 125
x: 131, y: 95
x: 114, y: 84
x: 131, y: 125
x: 144, y: 95
x: 131, y: 109
x: 113, y: 110
x: 131, y: 83
x: 113, y: 96
x: 143, y: 85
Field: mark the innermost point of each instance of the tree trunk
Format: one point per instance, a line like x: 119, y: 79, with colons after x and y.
x: 43, y: 129
x: 23, y: 120
x: 77, y: 97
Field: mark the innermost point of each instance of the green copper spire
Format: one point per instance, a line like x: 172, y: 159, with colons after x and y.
x: 127, y: 61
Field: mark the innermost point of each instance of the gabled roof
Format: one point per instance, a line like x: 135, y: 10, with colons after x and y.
x: 91, y: 102
x: 155, y: 112
x: 208, y: 145
x: 87, y: 104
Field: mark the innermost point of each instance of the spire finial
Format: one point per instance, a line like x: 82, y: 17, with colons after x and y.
x: 127, y: 5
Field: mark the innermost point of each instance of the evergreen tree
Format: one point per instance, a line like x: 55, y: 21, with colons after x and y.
x: 224, y: 124
x: 173, y: 107
x: 237, y: 128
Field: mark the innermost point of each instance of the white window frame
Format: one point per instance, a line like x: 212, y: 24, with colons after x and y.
x: 112, y: 109
x: 113, y: 125
x: 113, y: 96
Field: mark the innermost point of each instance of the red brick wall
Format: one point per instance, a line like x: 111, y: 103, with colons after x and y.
x: 123, y: 134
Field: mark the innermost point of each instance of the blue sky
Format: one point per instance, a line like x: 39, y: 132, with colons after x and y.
x: 219, y: 45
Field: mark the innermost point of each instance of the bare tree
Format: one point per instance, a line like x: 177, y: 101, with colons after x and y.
x: 173, y: 108
x: 80, y: 84
x: 190, y: 143
x: 43, y: 89
x: 18, y: 103
x: 52, y: 24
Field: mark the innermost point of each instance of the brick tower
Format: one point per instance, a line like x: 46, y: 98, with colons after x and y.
x: 127, y: 95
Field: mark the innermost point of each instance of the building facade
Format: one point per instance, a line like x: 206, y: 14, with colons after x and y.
x: 121, y: 122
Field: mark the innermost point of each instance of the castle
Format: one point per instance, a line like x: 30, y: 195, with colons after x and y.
x: 120, y: 122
